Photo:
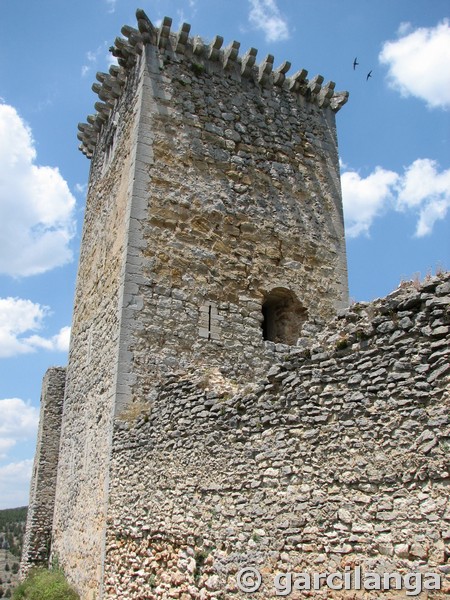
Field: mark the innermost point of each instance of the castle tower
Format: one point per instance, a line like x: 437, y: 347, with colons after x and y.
x: 36, y: 544
x: 213, y: 231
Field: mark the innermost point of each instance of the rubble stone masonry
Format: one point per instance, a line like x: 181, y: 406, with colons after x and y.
x: 94, y: 356
x: 338, y: 457
x: 36, y: 545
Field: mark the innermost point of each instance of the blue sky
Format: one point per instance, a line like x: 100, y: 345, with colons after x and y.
x: 393, y: 138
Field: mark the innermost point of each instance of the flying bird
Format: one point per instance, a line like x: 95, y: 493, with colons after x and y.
x: 355, y: 63
x: 369, y: 74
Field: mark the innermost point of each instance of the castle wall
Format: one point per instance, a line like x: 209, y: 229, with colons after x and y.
x: 36, y: 545
x: 81, y: 496
x: 338, y: 458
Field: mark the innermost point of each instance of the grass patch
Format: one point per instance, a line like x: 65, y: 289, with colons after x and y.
x: 197, y: 69
x: 42, y: 584
x: 342, y: 343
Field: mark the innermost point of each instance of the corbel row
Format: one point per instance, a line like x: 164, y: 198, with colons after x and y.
x: 109, y: 88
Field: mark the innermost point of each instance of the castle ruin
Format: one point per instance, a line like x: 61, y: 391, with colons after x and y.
x: 206, y: 420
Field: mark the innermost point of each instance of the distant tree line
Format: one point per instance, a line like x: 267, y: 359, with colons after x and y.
x: 12, y: 529
x: 12, y: 515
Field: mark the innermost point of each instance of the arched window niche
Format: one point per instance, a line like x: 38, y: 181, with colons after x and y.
x: 283, y: 316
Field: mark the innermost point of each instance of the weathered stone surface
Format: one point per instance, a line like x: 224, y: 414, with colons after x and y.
x: 369, y: 482
x: 36, y: 545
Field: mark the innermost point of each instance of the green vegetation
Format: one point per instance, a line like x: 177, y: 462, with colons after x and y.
x: 42, y: 584
x: 342, y: 343
x: 197, y: 68
x: 12, y: 516
x: 361, y: 335
x: 12, y: 528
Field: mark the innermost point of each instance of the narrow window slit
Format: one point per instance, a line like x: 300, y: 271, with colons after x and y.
x: 209, y: 321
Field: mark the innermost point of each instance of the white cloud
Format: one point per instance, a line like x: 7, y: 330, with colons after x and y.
x: 19, y: 422
x: 81, y: 188
x: 62, y: 339
x: 192, y: 11
x: 18, y: 317
x: 181, y: 16
x: 421, y: 189
x: 59, y: 342
x: 93, y: 57
x: 404, y: 28
x: 36, y: 206
x: 426, y: 191
x: 15, y: 484
x: 5, y: 445
x: 111, y: 5
x: 430, y: 213
x: 265, y: 15
x: 366, y: 198
x: 418, y: 63
x: 110, y: 59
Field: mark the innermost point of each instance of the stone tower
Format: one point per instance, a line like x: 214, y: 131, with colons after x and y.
x: 213, y: 231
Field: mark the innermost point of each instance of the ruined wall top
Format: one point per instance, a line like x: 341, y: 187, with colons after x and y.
x: 127, y: 49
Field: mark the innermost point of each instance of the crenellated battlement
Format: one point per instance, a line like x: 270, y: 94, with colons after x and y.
x: 206, y: 56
